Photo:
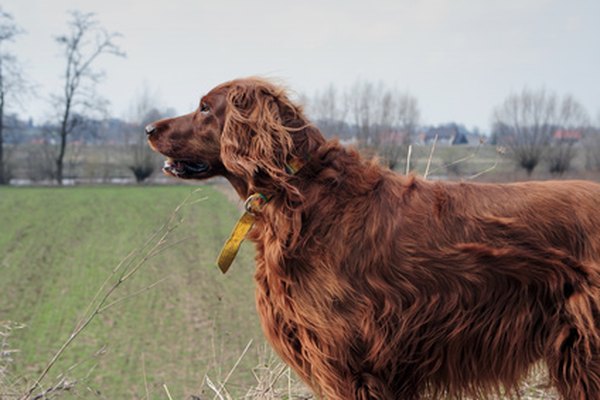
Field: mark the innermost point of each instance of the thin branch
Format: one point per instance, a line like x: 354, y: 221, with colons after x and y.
x: 134, y: 294
x: 63, y: 386
x: 408, y: 158
x: 234, y: 367
x: 213, y: 387
x: 462, y: 159
x: 430, y: 157
x: 167, y: 391
x: 485, y: 171
x: 167, y: 246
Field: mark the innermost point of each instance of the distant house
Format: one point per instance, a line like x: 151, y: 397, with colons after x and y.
x: 506, y: 135
x: 567, y: 136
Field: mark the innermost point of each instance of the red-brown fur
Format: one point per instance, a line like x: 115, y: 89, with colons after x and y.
x: 373, y: 285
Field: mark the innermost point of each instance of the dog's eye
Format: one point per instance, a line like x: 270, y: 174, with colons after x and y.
x: 204, y: 108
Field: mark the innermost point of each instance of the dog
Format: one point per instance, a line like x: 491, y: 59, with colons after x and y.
x: 374, y: 285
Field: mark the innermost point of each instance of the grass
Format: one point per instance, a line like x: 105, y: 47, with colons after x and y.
x: 57, y: 246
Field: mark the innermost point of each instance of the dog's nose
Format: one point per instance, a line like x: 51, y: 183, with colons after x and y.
x: 150, y: 129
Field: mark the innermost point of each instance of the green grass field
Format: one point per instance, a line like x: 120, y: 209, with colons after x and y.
x: 57, y: 247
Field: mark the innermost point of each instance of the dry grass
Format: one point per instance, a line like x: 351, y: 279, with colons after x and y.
x: 9, y: 385
x: 273, y: 381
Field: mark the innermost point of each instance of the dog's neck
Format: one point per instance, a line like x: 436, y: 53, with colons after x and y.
x: 253, y: 206
x: 308, y: 143
x: 244, y: 190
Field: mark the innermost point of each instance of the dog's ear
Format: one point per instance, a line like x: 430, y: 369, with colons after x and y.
x: 256, y: 144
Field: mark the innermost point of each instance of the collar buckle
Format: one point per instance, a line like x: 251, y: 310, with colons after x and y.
x: 254, y: 203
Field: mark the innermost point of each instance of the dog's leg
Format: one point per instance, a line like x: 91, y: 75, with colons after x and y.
x: 370, y: 387
x: 341, y: 384
x: 574, y: 364
x: 575, y: 373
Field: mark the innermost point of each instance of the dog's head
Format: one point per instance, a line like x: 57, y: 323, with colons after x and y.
x: 246, y: 130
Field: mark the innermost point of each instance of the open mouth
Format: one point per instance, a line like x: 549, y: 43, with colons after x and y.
x: 184, y: 169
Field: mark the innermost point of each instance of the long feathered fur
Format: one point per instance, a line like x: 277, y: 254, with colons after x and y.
x: 372, y: 285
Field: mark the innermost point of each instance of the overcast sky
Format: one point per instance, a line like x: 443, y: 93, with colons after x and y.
x: 460, y: 58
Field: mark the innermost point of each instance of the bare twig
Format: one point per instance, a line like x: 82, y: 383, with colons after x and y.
x: 499, y: 152
x: 462, y: 159
x: 234, y: 367
x: 485, y: 171
x: 430, y: 157
x: 408, y: 158
x: 168, y: 246
x: 136, y: 293
x: 213, y: 387
x: 63, y: 386
x: 167, y: 391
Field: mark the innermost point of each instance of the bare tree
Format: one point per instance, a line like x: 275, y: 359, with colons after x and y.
x: 572, y: 126
x: 12, y: 83
x: 362, y: 100
x: 82, y: 46
x: 408, y: 115
x: 329, y: 112
x: 401, y: 126
x: 144, y: 111
x: 526, y: 124
x: 385, y: 119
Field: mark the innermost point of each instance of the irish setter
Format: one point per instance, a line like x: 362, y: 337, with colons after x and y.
x: 374, y: 285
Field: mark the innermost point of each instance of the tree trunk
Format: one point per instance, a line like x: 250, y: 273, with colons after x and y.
x: 60, y: 158
x: 63, y: 142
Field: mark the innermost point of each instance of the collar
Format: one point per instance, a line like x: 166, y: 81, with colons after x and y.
x: 253, y: 205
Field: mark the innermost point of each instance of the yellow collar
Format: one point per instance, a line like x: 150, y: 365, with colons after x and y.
x: 253, y: 205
